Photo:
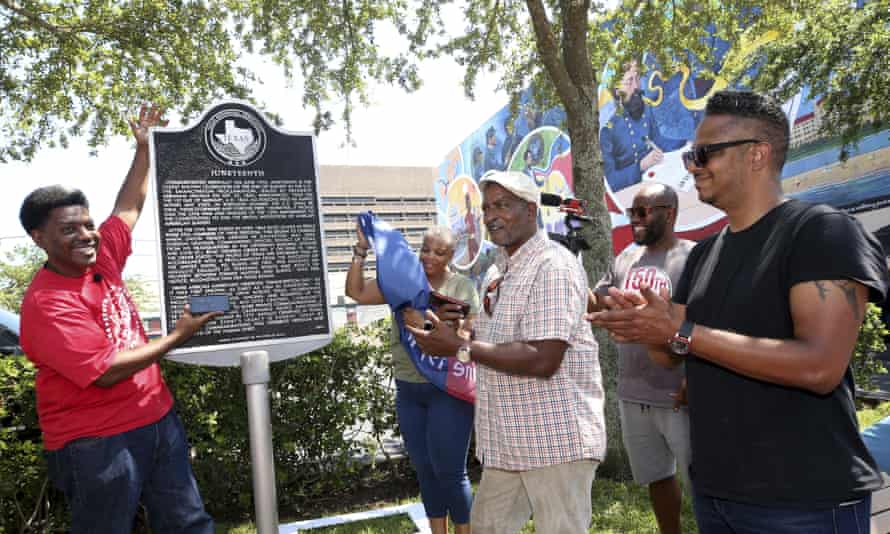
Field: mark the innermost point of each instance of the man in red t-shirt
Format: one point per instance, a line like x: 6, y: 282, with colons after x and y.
x: 111, y: 436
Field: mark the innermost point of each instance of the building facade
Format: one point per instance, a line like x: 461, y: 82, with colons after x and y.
x: 401, y: 196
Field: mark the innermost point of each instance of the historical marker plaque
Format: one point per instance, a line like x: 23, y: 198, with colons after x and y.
x: 239, y: 216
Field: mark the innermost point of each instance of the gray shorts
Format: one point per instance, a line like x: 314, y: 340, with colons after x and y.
x: 657, y: 441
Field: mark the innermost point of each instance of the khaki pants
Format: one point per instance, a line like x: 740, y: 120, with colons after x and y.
x: 557, y: 496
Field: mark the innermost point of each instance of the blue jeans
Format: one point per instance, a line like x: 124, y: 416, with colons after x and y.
x: 104, y: 479
x: 718, y: 516
x: 436, y: 428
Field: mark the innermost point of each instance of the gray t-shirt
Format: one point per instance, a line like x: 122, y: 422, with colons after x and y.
x: 639, y: 378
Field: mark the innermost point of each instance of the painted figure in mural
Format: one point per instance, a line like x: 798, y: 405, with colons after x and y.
x: 654, y: 428
x: 534, y: 151
x: 110, y: 430
x: 540, y: 432
x: 765, y: 317
x: 529, y: 159
x: 478, y: 160
x: 435, y: 425
x: 630, y: 141
x: 511, y: 142
x: 492, y: 152
x: 528, y: 121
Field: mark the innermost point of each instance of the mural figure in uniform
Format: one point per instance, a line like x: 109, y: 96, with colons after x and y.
x: 492, y: 151
x: 631, y: 141
x: 478, y: 169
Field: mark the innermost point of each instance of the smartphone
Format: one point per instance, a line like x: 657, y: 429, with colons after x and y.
x: 437, y: 299
x: 208, y: 303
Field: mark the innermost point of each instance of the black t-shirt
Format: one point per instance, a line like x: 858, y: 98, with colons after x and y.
x: 762, y: 443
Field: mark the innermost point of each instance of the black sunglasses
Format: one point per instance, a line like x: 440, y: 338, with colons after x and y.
x: 494, y: 288
x: 700, y: 154
x: 642, y: 211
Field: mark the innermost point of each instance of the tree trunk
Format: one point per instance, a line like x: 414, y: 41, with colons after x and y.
x: 569, y: 67
x: 587, y: 170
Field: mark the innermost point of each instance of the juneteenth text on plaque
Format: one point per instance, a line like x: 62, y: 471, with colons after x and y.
x: 239, y: 216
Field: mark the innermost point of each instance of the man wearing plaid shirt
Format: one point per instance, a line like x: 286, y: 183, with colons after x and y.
x: 540, y: 432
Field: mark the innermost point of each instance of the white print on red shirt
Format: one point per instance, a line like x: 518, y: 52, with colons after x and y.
x: 654, y: 277
x: 120, y: 320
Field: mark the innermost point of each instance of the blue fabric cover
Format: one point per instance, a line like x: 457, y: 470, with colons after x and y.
x: 404, y: 284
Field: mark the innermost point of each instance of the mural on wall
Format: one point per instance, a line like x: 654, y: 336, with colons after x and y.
x: 647, y: 120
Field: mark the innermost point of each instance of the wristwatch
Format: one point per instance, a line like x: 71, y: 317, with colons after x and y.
x: 680, y: 342
x: 463, y: 353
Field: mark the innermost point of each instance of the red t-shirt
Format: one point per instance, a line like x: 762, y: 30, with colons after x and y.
x: 71, y: 328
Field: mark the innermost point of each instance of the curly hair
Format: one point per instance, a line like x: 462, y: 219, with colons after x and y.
x: 766, y: 111
x: 37, y: 205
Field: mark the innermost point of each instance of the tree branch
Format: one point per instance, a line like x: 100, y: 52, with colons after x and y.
x: 34, y: 19
x: 548, y: 49
x: 574, y: 46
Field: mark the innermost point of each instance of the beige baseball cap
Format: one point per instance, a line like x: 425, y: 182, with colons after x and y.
x: 518, y: 183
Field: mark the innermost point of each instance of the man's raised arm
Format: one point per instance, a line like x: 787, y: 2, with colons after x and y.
x: 131, y: 196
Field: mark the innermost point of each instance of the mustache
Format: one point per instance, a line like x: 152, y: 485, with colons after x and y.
x: 635, y: 105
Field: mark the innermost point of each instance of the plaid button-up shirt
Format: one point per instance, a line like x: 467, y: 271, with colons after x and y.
x: 524, y: 422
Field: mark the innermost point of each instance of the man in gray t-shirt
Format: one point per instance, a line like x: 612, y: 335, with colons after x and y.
x: 655, y: 433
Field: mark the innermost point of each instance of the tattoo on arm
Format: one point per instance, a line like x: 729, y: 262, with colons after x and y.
x: 847, y: 288
x: 822, y: 290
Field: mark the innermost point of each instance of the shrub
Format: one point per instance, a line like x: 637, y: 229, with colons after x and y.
x: 869, y: 344
x: 28, y: 503
x: 329, y: 407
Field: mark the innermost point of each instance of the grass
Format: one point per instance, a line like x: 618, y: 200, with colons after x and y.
x: 618, y: 508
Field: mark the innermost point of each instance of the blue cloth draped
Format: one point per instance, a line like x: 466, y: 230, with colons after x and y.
x: 404, y: 284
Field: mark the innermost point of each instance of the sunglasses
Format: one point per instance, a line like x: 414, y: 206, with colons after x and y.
x: 700, y: 154
x: 641, y: 212
x: 494, y: 288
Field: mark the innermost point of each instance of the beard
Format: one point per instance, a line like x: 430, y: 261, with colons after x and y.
x: 653, y: 233
x: 634, y: 105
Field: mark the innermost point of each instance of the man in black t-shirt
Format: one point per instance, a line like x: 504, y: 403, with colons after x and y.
x: 766, y: 316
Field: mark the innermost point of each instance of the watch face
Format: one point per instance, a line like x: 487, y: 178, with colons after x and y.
x: 680, y: 346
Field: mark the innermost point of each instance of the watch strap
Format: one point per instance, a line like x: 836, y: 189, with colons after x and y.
x: 685, y: 330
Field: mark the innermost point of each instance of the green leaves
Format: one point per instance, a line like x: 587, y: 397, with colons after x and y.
x: 73, y: 67
x: 869, y: 344
x: 328, y: 408
x: 838, y: 50
x: 16, y: 272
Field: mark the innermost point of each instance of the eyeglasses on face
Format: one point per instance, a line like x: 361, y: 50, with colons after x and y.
x: 700, y: 154
x: 494, y: 288
x: 641, y: 212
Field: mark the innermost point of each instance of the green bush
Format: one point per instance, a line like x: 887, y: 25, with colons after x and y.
x: 28, y: 503
x: 869, y: 344
x: 320, y: 402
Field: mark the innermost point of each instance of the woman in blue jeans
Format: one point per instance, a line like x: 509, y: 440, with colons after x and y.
x: 436, y: 426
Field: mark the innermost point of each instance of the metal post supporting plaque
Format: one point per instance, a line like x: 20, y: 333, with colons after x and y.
x: 255, y: 376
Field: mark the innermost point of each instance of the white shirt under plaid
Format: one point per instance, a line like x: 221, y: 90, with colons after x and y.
x: 525, y: 422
